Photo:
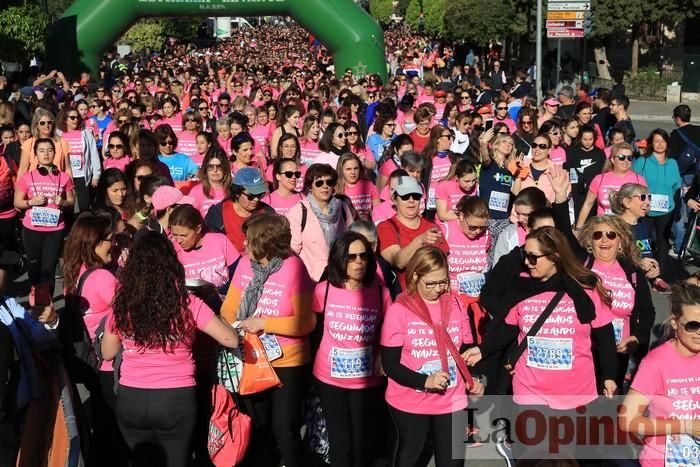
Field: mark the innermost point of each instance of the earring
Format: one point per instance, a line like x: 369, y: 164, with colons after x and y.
x: 589, y: 250
x: 619, y: 249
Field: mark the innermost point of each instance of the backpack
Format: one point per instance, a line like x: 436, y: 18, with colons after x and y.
x: 689, y: 158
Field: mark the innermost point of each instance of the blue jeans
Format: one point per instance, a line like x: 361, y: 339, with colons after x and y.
x: 679, y: 227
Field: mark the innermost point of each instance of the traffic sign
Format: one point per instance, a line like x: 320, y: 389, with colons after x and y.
x: 565, y: 15
x: 565, y: 24
x: 569, y: 6
x: 564, y: 33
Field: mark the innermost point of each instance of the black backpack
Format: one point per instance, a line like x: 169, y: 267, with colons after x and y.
x: 689, y: 157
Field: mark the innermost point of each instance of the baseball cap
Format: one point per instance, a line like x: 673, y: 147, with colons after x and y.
x: 250, y: 179
x: 167, y: 196
x: 407, y: 185
x: 551, y: 101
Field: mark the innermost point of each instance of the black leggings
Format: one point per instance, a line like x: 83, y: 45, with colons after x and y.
x: 157, y: 424
x: 8, y: 236
x: 349, y: 415
x: 43, y: 250
x: 276, y: 415
x: 413, y: 431
x: 660, y: 228
x: 82, y: 194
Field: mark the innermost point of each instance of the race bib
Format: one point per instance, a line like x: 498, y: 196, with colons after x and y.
x: 681, y: 451
x: 76, y: 162
x: 470, y: 283
x: 271, y: 345
x: 431, y: 199
x: 547, y: 353
x: 45, y: 217
x: 498, y: 201
x: 618, y: 326
x: 573, y: 176
x: 351, y: 363
x: 433, y: 366
x: 659, y: 203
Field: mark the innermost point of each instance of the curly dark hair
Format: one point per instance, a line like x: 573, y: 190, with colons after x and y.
x: 151, y: 303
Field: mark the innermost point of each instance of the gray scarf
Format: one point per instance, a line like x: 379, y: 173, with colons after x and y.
x: 251, y: 296
x: 328, y: 221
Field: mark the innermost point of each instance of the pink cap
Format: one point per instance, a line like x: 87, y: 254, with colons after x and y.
x: 551, y: 101
x: 166, y: 196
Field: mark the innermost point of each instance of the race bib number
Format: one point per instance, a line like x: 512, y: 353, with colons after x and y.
x: 681, y: 451
x: 470, y: 283
x: 498, y: 201
x: 659, y: 203
x: 431, y: 199
x: 619, y: 327
x: 76, y: 162
x: 433, y: 366
x: 573, y: 176
x: 45, y: 217
x: 351, y: 363
x: 547, y: 353
x: 273, y: 350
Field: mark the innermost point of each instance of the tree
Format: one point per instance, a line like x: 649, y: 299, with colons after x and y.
x: 479, y: 21
x: 434, y: 12
x: 22, y: 32
x: 381, y: 10
x: 151, y: 33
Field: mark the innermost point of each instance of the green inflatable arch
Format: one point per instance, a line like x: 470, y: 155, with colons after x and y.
x: 89, y: 27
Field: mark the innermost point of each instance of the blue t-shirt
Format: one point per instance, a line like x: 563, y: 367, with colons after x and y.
x: 663, y: 181
x: 102, y: 125
x: 377, y: 144
x: 181, y: 166
x: 494, y: 188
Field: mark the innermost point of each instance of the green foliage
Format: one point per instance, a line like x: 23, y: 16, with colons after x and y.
x: 381, y: 10
x: 434, y: 12
x: 22, y: 32
x: 151, y: 33
x: 58, y: 7
x: 479, y: 21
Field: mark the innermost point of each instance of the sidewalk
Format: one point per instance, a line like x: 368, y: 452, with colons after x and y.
x: 660, y: 111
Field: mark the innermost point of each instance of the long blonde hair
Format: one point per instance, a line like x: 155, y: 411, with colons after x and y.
x: 628, y: 250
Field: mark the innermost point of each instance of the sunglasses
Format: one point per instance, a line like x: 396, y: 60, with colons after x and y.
x: 540, y: 146
x: 501, y: 108
x: 555, y: 133
x: 141, y: 177
x: 531, y: 257
x: 464, y: 98
x: 168, y: 143
x: 290, y: 174
x: 202, y: 108
x: 115, y: 146
x: 213, y: 166
x: 352, y: 257
x: 643, y: 196
x: 526, y: 122
x: 448, y: 136
x: 503, y: 132
x: 622, y: 157
x: 329, y: 182
x: 352, y: 133
x: 122, y: 121
x: 252, y: 197
x: 690, y: 326
x: 341, y: 135
x: 598, y: 234
x: 224, y: 106
x: 73, y: 117
x: 45, y: 122
x: 413, y: 196
x: 392, y: 125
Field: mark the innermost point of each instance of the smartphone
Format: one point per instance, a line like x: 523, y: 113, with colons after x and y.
x: 488, y: 124
x: 42, y: 295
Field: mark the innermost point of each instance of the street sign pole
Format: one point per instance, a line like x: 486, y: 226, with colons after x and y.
x: 556, y: 72
x: 538, y: 53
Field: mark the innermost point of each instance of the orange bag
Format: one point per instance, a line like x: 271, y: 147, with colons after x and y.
x: 258, y: 374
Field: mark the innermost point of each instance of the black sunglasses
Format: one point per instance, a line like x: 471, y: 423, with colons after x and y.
x: 622, y: 157
x: 73, y: 117
x: 598, y: 234
x: 690, y: 326
x: 352, y: 257
x: 540, y: 146
x: 413, y: 196
x: 330, y: 182
x: 290, y: 174
x: 115, y: 146
x: 252, y: 197
x: 531, y: 257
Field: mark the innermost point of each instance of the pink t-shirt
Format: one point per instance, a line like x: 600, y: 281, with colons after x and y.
x: 364, y: 153
x: 350, y: 343
x: 387, y: 167
x: 603, y: 184
x: 557, y: 155
x: 225, y: 144
x: 419, y: 353
x: 187, y: 143
x: 441, y: 167
x: 197, y: 158
x: 43, y: 218
x: 362, y: 194
x: 383, y: 211
x: 281, y: 204
x: 449, y: 191
x: 327, y: 158
x: 76, y: 145
x: 468, y: 259
x: 671, y: 382
x: 97, y: 293
x: 111, y: 163
x: 509, y: 123
x: 261, y: 136
x: 309, y: 151
x: 615, y: 280
x: 202, y: 202
x: 175, y: 122
x: 557, y: 367
x: 210, y: 261
x: 156, y: 369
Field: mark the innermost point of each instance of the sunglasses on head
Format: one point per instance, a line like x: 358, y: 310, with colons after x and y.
x: 610, y: 234
x: 622, y: 157
x: 291, y: 174
x: 352, y: 257
x: 330, y: 182
x: 413, y: 196
x: 690, y: 326
x: 531, y: 258
x: 252, y: 197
